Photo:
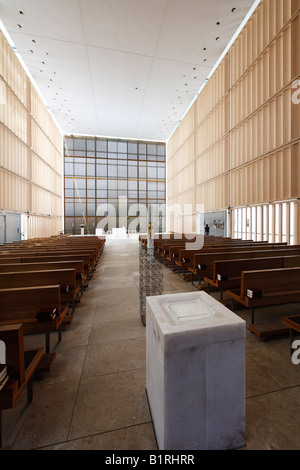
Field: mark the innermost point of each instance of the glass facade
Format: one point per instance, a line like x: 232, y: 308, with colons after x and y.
x: 109, y: 183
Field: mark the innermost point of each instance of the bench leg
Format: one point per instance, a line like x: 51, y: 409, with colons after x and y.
x: 59, y: 333
x: 232, y: 305
x: 221, y: 293
x: 0, y: 429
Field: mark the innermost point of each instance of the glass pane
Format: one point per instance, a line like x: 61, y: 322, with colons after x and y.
x: 79, y: 169
x: 112, y: 171
x: 142, y: 172
x: 161, y: 173
x: 101, y: 171
x: 69, y: 209
x: 151, y: 149
x: 151, y: 173
x: 277, y: 208
x: 292, y: 222
x: 80, y: 209
x: 69, y: 169
x: 91, y: 208
x: 132, y: 147
x: 142, y: 148
x: 79, y: 153
x: 112, y: 146
x: 122, y: 172
x: 68, y: 146
x: 101, y: 145
x: 161, y: 150
x: 132, y: 172
x: 79, y: 183
x: 90, y: 169
x: 259, y: 227
x: 79, y: 144
x: 69, y: 224
x: 270, y: 223
x: 122, y: 147
x: 284, y: 221
x: 90, y: 145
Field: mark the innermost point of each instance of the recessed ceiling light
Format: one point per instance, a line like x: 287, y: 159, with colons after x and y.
x: 33, y: 40
x: 205, y: 60
x: 31, y: 51
x: 217, y: 39
x: 218, y: 23
x: 19, y: 26
x: 21, y: 12
x: 204, y: 48
x: 233, y: 10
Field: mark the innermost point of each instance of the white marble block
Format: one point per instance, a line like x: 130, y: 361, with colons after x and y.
x: 195, y: 372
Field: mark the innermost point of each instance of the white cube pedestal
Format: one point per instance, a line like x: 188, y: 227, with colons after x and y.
x: 195, y: 372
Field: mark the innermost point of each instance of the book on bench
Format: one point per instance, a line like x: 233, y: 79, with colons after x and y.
x: 46, y: 314
x: 254, y: 293
x: 222, y: 277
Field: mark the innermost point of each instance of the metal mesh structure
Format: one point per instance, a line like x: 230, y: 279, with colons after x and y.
x: 151, y: 278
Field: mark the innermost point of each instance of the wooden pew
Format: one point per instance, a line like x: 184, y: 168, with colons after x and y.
x: 77, y: 265
x: 21, y: 365
x: 64, y: 277
x: 171, y: 252
x: 203, y: 263
x: 227, y: 273
x: 22, y: 304
x: 262, y: 288
x: 185, y: 257
x: 48, y: 259
x: 51, y: 252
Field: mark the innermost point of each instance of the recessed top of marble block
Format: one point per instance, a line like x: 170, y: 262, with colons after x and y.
x: 183, y: 320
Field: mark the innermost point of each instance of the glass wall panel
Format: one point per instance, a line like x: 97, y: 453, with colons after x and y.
x: 274, y: 223
x: 108, y: 179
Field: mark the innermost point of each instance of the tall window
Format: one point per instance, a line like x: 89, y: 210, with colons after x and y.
x: 268, y: 222
x: 110, y: 183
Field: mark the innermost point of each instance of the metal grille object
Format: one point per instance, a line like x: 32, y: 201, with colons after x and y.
x: 151, y: 278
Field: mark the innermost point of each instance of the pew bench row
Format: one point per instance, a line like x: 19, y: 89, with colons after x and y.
x: 252, y: 274
x: 39, y: 295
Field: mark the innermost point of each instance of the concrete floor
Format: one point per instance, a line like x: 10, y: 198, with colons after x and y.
x: 94, y: 398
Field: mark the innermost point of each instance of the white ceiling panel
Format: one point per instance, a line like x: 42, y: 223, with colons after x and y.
x: 121, y: 68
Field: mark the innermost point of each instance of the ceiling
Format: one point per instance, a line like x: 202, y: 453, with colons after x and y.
x: 120, y: 68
